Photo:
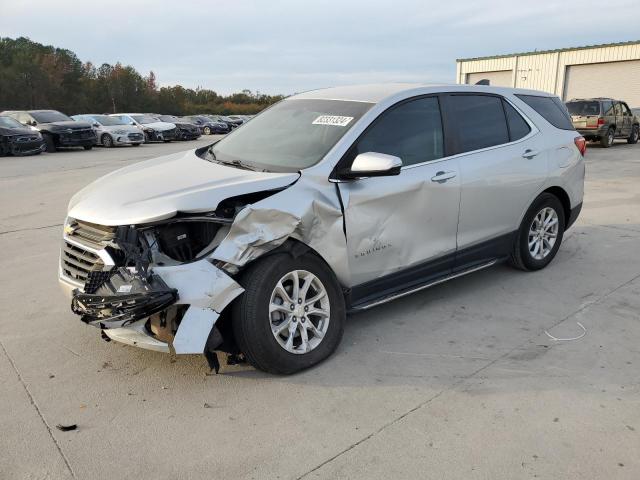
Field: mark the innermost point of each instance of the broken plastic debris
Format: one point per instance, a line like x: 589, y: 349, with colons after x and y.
x: 66, y: 428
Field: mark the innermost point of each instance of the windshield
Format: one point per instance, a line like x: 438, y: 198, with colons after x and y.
x: 583, y: 108
x: 108, y: 121
x: 9, y: 122
x: 144, y: 119
x: 291, y: 135
x: 50, y: 116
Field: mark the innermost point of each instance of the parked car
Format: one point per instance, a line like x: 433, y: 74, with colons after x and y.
x: 57, y: 129
x: 112, y: 131
x: 17, y: 139
x: 208, y: 126
x: 331, y: 201
x: 604, y: 120
x: 185, y: 130
x: 221, y: 118
x: 153, y: 129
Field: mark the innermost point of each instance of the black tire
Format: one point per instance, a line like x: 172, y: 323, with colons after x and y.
x: 607, y: 140
x: 135, y: 144
x: 635, y: 133
x: 167, y: 141
x: 106, y: 140
x: 521, y: 257
x: 252, y: 322
x: 88, y: 147
x: 207, y: 131
x: 50, y: 143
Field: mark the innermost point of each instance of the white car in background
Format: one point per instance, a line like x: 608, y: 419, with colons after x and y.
x: 153, y: 129
x: 112, y: 131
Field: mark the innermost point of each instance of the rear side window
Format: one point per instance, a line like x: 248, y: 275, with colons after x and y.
x: 518, y: 127
x: 411, y: 131
x: 551, y: 109
x: 479, y: 121
x: 607, y: 108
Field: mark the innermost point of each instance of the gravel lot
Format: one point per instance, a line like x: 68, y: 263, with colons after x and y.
x: 459, y: 381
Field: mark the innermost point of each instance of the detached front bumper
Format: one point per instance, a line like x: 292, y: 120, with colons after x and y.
x: 124, y: 301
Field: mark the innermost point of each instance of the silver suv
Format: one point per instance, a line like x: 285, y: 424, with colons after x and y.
x: 329, y: 202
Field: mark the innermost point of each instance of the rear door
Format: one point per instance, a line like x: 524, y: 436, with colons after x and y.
x: 503, y: 163
x: 619, y: 118
x: 402, y: 229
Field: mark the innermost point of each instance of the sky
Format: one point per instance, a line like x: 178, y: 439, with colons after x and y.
x: 286, y: 46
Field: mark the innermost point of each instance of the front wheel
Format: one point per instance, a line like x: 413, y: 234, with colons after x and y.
x: 107, y: 140
x: 88, y: 147
x: 50, y: 143
x: 207, y: 130
x: 635, y: 133
x: 540, y: 234
x: 291, y: 315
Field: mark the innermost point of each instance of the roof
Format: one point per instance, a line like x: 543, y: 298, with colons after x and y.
x: 371, y: 93
x: 376, y: 93
x: 538, y: 52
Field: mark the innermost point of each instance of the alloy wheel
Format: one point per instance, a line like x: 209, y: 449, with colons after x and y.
x: 299, y: 312
x: 543, y: 233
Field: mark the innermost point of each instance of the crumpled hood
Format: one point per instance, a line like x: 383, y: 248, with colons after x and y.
x: 159, y: 126
x: 115, y: 128
x: 157, y: 189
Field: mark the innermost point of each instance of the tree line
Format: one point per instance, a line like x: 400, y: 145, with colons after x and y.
x: 35, y: 76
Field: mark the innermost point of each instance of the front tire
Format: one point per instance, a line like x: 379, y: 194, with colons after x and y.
x: 608, y: 139
x: 291, y: 315
x: 540, y: 234
x: 50, y: 143
x: 106, y: 140
x: 207, y: 131
x: 88, y: 147
x: 635, y: 134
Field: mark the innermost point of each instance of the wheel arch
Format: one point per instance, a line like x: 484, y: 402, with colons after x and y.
x: 561, y: 194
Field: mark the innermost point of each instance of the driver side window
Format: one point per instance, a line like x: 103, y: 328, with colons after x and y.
x: 411, y: 131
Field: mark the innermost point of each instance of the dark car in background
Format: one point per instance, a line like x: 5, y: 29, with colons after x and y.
x: 184, y: 130
x: 207, y: 125
x: 230, y: 122
x: 16, y: 139
x: 57, y: 129
x: 604, y: 120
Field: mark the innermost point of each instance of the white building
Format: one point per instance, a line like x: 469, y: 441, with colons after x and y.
x: 609, y: 70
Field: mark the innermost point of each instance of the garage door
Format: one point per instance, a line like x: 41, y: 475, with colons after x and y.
x: 620, y: 80
x: 502, y: 78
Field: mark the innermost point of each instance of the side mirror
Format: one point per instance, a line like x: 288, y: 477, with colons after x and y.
x: 33, y: 123
x: 96, y: 124
x: 372, y: 164
x: 132, y: 123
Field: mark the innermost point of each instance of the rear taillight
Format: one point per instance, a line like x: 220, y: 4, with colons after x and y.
x: 581, y: 143
x: 600, y: 121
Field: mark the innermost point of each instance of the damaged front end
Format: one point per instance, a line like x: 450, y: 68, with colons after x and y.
x: 152, y: 285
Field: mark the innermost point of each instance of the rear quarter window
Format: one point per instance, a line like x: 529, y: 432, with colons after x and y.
x: 551, y: 109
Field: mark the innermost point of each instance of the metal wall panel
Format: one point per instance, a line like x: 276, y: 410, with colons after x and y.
x: 546, y: 70
x: 502, y: 78
x: 619, y: 80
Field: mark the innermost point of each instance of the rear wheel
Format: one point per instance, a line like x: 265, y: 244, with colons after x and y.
x: 135, y: 144
x: 635, y: 134
x: 607, y: 140
x: 291, y: 315
x: 88, y: 147
x: 50, y: 143
x: 207, y: 131
x: 106, y: 140
x: 540, y: 234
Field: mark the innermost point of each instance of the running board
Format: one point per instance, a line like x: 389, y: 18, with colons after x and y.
x: 404, y: 293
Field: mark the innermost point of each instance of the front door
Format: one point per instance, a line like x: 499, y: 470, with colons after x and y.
x: 402, y: 229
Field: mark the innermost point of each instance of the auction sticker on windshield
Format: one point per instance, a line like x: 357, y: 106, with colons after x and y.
x: 335, y: 120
